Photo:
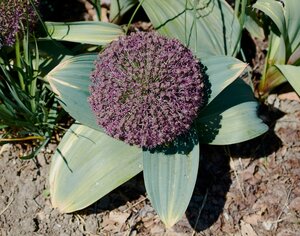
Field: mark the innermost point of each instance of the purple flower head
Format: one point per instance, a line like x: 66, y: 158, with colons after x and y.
x: 146, y: 89
x: 14, y: 14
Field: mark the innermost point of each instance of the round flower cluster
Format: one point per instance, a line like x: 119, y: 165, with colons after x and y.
x: 146, y: 89
x: 14, y: 14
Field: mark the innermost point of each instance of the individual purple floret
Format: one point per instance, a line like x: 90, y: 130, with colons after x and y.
x: 14, y: 14
x: 146, y: 89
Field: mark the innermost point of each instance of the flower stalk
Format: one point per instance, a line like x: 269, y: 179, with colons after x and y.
x: 19, y: 62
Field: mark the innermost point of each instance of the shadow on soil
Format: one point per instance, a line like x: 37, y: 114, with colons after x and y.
x: 265, y: 144
x: 214, y: 180
x: 212, y: 185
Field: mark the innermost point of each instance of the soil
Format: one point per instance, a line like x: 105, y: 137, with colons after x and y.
x: 247, y: 189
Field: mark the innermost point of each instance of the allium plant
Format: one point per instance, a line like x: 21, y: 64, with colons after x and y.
x: 15, y: 15
x: 146, y: 102
x: 28, y: 109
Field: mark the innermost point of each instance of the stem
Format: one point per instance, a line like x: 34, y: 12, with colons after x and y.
x: 19, y: 63
x: 132, y: 16
x: 194, y: 24
x: 97, y: 5
x: 236, y: 7
x: 5, y: 72
x: 22, y: 139
x: 34, y: 80
x: 40, y: 18
x: 262, y: 82
x: 243, y: 13
x: 98, y: 9
x: 185, y: 24
x: 241, y: 19
x: 243, y: 55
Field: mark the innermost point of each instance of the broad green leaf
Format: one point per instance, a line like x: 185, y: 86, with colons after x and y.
x: 291, y: 73
x: 90, y: 32
x: 87, y: 165
x: 231, y: 117
x: 70, y: 82
x: 119, y: 7
x: 292, y: 15
x: 206, y: 27
x: 170, y: 181
x: 275, y: 11
x: 222, y: 71
x: 277, y: 50
x: 253, y: 27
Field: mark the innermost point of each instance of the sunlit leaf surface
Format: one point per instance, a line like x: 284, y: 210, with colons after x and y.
x: 231, y: 117
x: 89, y: 32
x: 207, y: 27
x: 291, y: 73
x: 87, y: 165
x: 221, y: 71
x: 119, y: 7
x: 170, y: 180
x: 70, y: 81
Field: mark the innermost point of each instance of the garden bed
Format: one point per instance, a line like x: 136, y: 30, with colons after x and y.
x: 251, y: 188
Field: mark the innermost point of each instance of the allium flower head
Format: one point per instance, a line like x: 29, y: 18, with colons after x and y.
x: 14, y: 14
x: 146, y: 89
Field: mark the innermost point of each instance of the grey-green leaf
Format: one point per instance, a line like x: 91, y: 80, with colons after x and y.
x: 253, y: 27
x: 70, y: 81
x: 89, y: 32
x: 221, y: 71
x: 274, y: 10
x: 277, y: 50
x: 231, y: 117
x: 286, y: 18
x: 170, y: 181
x: 119, y: 7
x: 206, y: 27
x: 293, y: 23
x: 87, y: 165
x: 291, y: 73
